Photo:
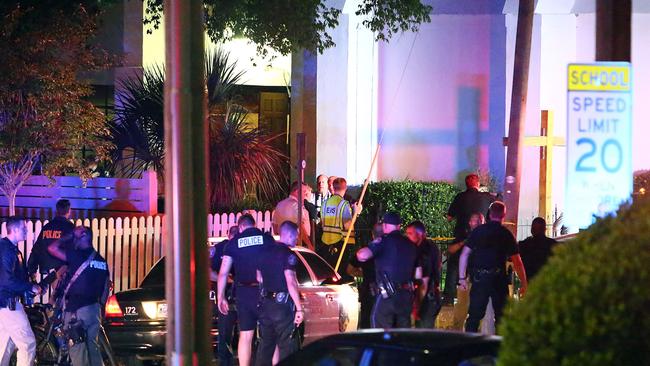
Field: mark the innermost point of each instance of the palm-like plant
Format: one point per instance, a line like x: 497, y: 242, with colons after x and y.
x: 240, y: 156
x: 138, y: 126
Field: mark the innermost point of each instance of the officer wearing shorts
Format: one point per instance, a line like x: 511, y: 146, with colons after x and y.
x: 396, y: 264
x: 225, y: 322
x: 280, y: 308
x: 241, y: 254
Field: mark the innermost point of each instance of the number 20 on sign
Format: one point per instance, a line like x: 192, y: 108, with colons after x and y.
x: 599, y: 141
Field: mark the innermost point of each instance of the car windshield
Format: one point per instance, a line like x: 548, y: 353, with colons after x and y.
x: 156, y: 276
x: 321, y: 269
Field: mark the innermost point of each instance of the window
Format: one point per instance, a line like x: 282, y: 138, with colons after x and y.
x: 321, y: 269
x: 156, y: 276
x: 302, y: 275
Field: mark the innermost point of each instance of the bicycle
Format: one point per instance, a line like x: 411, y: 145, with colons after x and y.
x: 51, y: 342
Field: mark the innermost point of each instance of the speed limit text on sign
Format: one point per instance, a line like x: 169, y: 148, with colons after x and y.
x: 599, y: 141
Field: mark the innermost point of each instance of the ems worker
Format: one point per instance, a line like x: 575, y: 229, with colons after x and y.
x: 84, y: 295
x: 14, y: 325
x: 225, y: 323
x: 396, y: 268
x: 489, y: 245
x: 280, y: 307
x: 427, y: 302
x: 241, y: 254
x: 40, y: 259
x: 336, y: 218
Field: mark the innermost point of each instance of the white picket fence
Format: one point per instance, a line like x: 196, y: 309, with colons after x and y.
x: 132, y: 245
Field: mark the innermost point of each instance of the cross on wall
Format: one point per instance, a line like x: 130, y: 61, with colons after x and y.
x: 546, y: 142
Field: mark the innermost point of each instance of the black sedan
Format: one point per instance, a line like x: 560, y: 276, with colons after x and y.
x: 135, y: 319
x: 399, y: 347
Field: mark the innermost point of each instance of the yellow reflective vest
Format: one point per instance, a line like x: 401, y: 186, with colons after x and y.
x: 332, y: 220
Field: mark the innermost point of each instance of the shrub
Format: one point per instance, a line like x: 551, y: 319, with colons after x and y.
x: 424, y: 201
x: 588, y: 305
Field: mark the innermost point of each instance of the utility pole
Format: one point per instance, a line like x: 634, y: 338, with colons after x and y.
x: 613, y: 30
x: 186, y: 186
x: 518, y: 112
x: 300, y: 166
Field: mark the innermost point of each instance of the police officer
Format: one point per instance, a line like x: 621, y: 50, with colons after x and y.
x: 368, y: 287
x: 427, y: 303
x: 490, y: 245
x: 537, y: 248
x: 241, y: 254
x: 461, y: 209
x: 336, y: 218
x: 280, y: 308
x: 396, y: 266
x: 225, y: 322
x: 85, y: 292
x: 40, y: 259
x: 14, y: 325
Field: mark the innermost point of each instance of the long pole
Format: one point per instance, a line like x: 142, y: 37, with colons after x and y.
x: 186, y: 171
x: 518, y: 112
x: 356, y: 214
x: 613, y: 30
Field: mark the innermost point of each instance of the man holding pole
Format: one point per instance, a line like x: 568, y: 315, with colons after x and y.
x: 336, y: 220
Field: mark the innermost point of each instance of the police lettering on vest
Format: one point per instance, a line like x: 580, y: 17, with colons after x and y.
x: 250, y: 241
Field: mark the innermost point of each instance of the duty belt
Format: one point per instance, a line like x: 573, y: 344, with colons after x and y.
x: 273, y: 295
x: 484, y: 271
x: 404, y: 286
x: 277, y: 297
x: 248, y: 284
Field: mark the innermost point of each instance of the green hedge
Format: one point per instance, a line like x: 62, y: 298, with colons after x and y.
x: 589, y: 305
x: 425, y: 201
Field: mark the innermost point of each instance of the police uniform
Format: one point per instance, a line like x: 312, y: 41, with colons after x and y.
x: 491, y: 244
x: 245, y: 249
x: 83, y: 302
x: 40, y: 259
x: 335, y: 212
x: 464, y: 205
x: 429, y: 259
x: 395, y: 262
x: 14, y: 323
x: 277, y: 310
x: 225, y: 323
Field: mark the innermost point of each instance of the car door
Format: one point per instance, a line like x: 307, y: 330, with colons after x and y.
x: 329, y: 309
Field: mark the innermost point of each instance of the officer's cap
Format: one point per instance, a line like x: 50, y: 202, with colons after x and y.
x: 392, y: 218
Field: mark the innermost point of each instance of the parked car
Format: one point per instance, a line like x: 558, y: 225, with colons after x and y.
x: 402, y: 347
x: 135, y: 319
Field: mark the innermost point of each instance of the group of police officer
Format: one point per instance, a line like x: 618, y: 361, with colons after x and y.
x: 64, y: 254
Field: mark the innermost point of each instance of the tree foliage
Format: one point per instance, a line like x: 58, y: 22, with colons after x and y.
x: 241, y: 158
x: 588, y: 305
x: 45, y: 117
x: 289, y: 25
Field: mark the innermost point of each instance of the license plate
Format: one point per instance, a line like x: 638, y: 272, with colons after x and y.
x: 162, y: 310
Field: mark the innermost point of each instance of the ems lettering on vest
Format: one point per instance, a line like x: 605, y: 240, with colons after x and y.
x: 330, y: 210
x: 250, y: 241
